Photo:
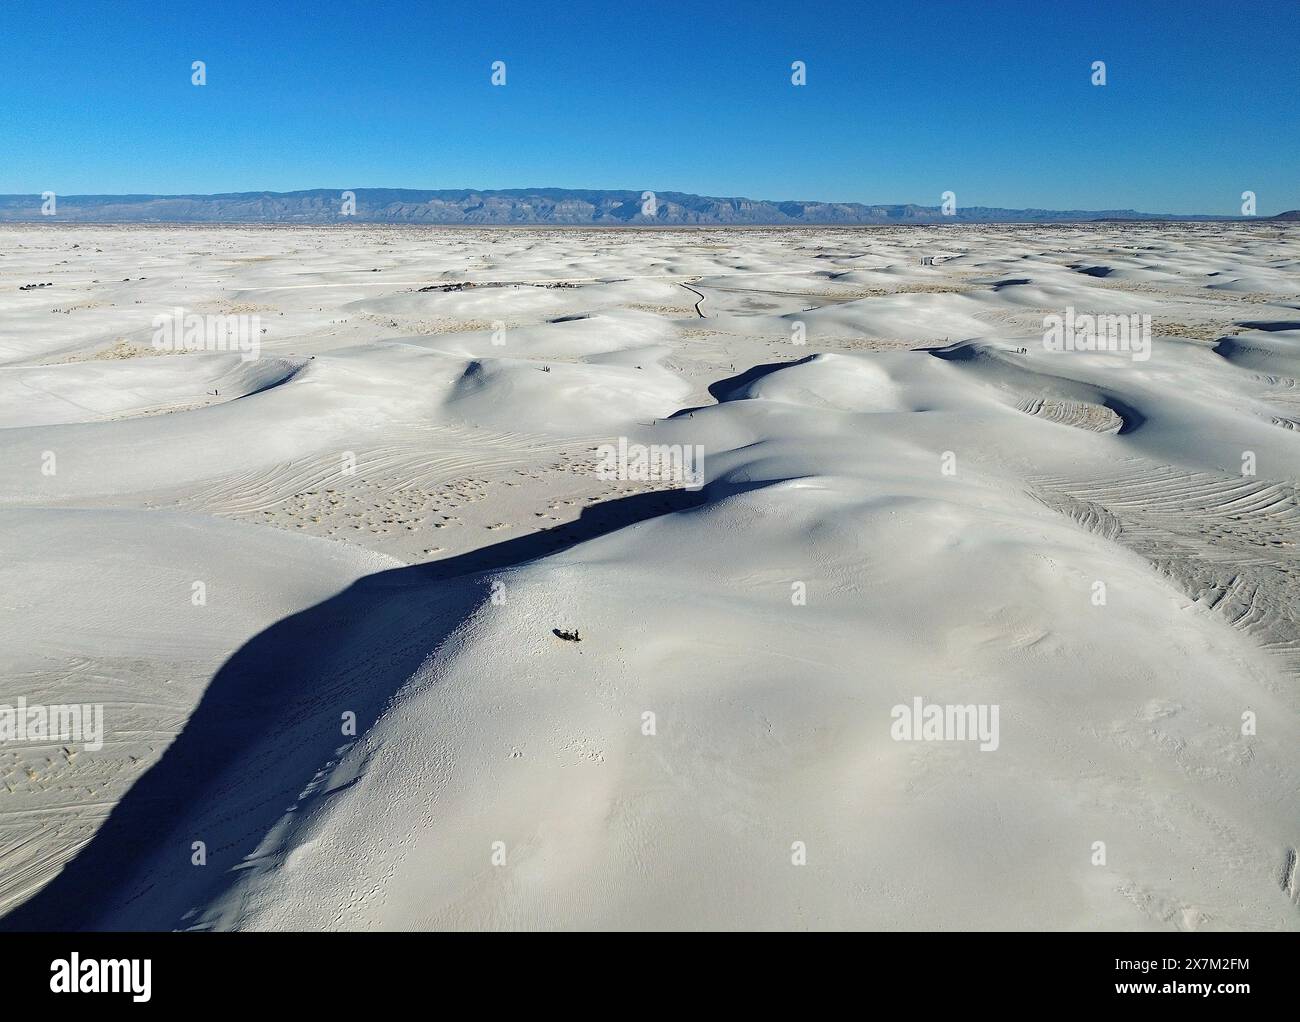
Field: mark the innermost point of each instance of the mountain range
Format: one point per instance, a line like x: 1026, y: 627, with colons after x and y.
x: 556, y: 206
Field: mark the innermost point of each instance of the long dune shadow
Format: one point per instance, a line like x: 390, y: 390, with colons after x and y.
x: 268, y: 727
x: 1272, y: 325
x: 725, y: 390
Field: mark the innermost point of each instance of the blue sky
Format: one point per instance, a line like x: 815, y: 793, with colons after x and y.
x: 904, y: 100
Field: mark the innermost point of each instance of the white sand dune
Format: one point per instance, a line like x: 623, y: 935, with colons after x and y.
x: 81, y: 391
x: 396, y: 509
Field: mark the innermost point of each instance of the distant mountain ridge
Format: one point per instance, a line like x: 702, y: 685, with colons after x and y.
x: 557, y: 206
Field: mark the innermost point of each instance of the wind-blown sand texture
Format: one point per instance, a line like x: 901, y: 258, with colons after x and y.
x: 500, y: 776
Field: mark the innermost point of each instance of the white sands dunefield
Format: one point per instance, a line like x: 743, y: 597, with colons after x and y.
x: 779, y: 578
